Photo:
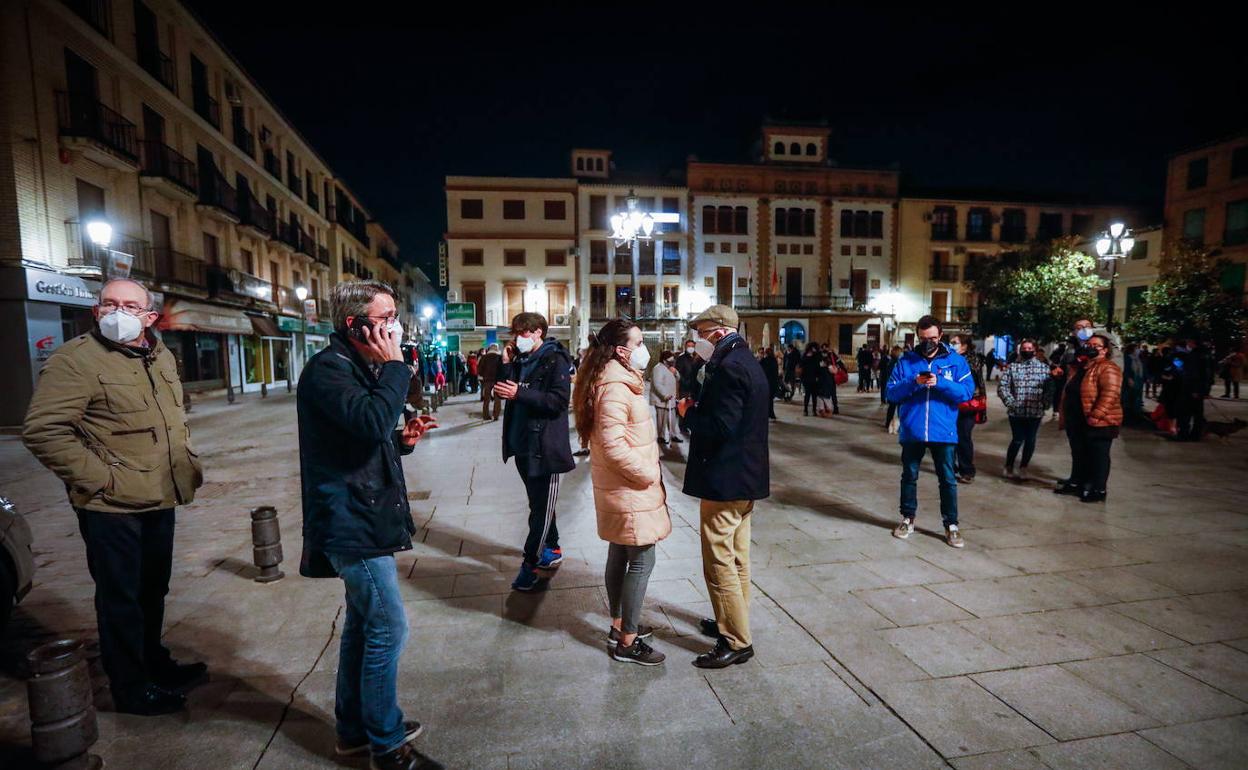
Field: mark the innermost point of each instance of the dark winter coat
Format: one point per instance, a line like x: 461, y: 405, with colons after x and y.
x: 535, y: 422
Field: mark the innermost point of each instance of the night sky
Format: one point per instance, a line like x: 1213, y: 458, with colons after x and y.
x: 1044, y: 99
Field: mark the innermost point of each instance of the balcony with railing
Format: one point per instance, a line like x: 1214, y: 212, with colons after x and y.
x: 671, y: 266
x: 237, y: 287
x: 322, y: 255
x: 944, y: 231
x: 313, y: 199
x: 272, y: 164
x: 169, y: 170
x: 1013, y: 234
x: 244, y: 140
x: 356, y: 227
x: 945, y: 273
x: 306, y: 244
x: 207, y: 108
x: 979, y: 234
x: 784, y: 302
x: 658, y: 310
x: 159, y: 65
x: 294, y: 182
x: 87, y: 257
x: 98, y: 130
x: 253, y: 214
x: 216, y: 196
x: 95, y: 13
x: 286, y: 234
x: 597, y: 311
x: 288, y: 302
x: 963, y: 314
x: 390, y: 257
x: 174, y: 267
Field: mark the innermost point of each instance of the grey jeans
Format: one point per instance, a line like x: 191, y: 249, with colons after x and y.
x: 628, y: 573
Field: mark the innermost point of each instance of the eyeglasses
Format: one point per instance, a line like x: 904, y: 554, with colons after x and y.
x: 385, y: 319
x: 132, y: 308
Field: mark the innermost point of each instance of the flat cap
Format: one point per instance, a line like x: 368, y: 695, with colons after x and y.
x: 719, y: 314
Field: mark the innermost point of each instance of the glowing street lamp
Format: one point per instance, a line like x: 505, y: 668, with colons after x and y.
x: 1111, y: 247
x: 100, y: 233
x: 301, y: 292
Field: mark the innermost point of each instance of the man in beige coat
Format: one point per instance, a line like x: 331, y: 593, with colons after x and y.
x: 107, y: 418
x: 663, y: 389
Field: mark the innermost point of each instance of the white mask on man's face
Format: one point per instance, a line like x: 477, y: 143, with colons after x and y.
x: 119, y: 326
x: 525, y: 344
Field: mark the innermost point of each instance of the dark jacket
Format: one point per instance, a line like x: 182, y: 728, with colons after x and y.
x: 687, y: 366
x: 792, y: 359
x: 488, y: 366
x: 728, y: 457
x: 535, y: 422
x: 810, y: 369
x: 771, y: 370
x: 354, y: 496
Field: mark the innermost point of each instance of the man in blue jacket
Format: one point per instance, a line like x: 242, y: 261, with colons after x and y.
x: 728, y: 468
x: 927, y: 384
x: 355, y: 511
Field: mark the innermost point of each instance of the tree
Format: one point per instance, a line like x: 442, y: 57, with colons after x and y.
x: 1188, y: 300
x: 1036, y: 292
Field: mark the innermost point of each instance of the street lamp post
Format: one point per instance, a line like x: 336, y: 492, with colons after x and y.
x: 301, y: 293
x: 1111, y: 247
x: 632, y: 226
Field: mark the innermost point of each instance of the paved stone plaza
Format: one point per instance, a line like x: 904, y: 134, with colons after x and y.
x: 1065, y: 635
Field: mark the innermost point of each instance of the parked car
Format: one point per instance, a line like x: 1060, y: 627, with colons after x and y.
x: 17, y: 562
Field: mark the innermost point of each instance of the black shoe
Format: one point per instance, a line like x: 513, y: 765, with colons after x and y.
x: 1092, y: 497
x: 180, y: 677
x: 709, y: 627
x: 411, y: 731
x: 1068, y: 489
x: 643, y: 632
x: 723, y: 656
x: 151, y: 700
x: 638, y: 652
x: 404, y: 758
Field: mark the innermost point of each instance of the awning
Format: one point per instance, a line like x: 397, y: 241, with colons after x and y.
x: 264, y: 326
x: 185, y: 315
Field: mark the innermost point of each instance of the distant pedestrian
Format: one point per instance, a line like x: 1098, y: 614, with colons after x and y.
x: 969, y: 412
x: 886, y: 370
x: 812, y: 358
x: 928, y: 384
x: 1132, y: 381
x: 1024, y: 390
x: 728, y: 469
x: 1231, y: 368
x: 664, y: 389
x: 828, y: 366
x: 771, y: 370
x: 864, y: 369
x: 612, y: 418
x: 488, y: 370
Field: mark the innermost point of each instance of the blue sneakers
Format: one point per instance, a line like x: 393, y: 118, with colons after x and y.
x: 551, y: 558
x: 527, y: 580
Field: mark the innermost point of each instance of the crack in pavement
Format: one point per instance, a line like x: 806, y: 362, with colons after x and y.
x: 291, y: 701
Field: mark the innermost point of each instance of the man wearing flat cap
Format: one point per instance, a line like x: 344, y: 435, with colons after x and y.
x: 728, y: 470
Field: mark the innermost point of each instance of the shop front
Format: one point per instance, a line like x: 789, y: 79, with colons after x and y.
x: 309, y: 338
x: 202, y: 338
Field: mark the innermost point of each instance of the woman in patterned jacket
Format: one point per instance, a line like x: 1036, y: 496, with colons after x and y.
x: 1024, y: 390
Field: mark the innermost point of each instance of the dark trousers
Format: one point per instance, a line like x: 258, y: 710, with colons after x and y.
x: 543, y: 491
x: 771, y: 405
x: 130, y: 557
x: 1190, y: 419
x: 1230, y: 385
x: 1089, y: 459
x: 1022, y: 435
x: 888, y: 417
x: 810, y: 396
x: 964, y: 457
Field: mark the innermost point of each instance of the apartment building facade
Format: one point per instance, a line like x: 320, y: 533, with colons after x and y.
x: 1207, y: 203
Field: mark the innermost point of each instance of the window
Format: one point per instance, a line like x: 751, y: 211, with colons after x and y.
x: 671, y: 206
x: 598, y: 164
x: 598, y: 301
x: 782, y: 248
x: 742, y: 220
x: 598, y: 257
x: 513, y: 257
x: 473, y: 257
x: 847, y: 223
x: 708, y: 247
x: 1197, y: 173
x: 724, y: 225
x: 808, y: 222
x: 1194, y: 227
x: 877, y: 224
x: 979, y: 225
x: 556, y: 300
x: 249, y: 262
x: 875, y: 283
x: 808, y: 248
x: 1140, y: 250
x: 623, y: 260
x: 1081, y: 224
x: 556, y: 210
x: 471, y: 208
x: 708, y: 219
x: 795, y: 222
x: 862, y: 224
x: 212, y: 255
x: 513, y: 209
x: 811, y: 149
x: 580, y: 164
x: 846, y: 250
x: 598, y: 213
x: 778, y: 149
x: 1050, y: 226
x: 645, y: 257
x: 877, y: 251
x: 1014, y: 226
x: 1236, y: 223
x: 671, y: 258
x: 861, y: 251
x: 725, y: 248
x: 743, y: 248
x: 782, y: 222
x: 90, y: 203
x: 1239, y: 162
x: 795, y: 149
x: 556, y: 257
x: 1135, y: 297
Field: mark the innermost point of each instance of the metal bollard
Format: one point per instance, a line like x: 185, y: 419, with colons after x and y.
x: 62, y: 717
x: 266, y: 541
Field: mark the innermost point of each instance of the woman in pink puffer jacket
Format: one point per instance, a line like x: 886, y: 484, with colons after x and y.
x: 615, y: 421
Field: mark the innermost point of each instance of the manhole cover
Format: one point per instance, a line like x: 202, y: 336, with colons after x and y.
x: 420, y: 494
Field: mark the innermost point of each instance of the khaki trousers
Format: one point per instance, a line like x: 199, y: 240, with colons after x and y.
x: 725, y: 533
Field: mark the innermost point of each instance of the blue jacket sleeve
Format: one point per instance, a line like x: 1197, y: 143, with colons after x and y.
x: 553, y: 401
x: 371, y: 412
x: 719, y: 417
x: 901, y: 384
x: 960, y: 388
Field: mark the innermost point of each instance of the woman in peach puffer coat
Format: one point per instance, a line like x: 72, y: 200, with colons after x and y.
x: 615, y: 421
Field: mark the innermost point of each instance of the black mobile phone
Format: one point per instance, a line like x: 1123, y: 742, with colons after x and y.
x: 357, y: 326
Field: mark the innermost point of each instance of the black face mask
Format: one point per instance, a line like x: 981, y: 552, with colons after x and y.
x: 928, y: 348
x: 1027, y: 355
x: 1087, y: 351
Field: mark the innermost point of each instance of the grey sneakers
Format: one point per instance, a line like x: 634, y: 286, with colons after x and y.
x: 904, y: 529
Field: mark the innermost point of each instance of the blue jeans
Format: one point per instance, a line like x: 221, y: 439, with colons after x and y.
x: 367, y: 705
x: 942, y: 456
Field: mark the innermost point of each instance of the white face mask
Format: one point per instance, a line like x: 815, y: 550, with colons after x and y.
x: 703, y: 347
x: 639, y: 359
x: 396, y: 329
x: 119, y: 326
x: 525, y: 344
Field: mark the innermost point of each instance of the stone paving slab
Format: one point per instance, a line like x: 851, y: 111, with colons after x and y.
x: 871, y: 651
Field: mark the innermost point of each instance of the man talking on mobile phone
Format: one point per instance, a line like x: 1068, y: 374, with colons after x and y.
x: 927, y: 384
x: 355, y: 511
